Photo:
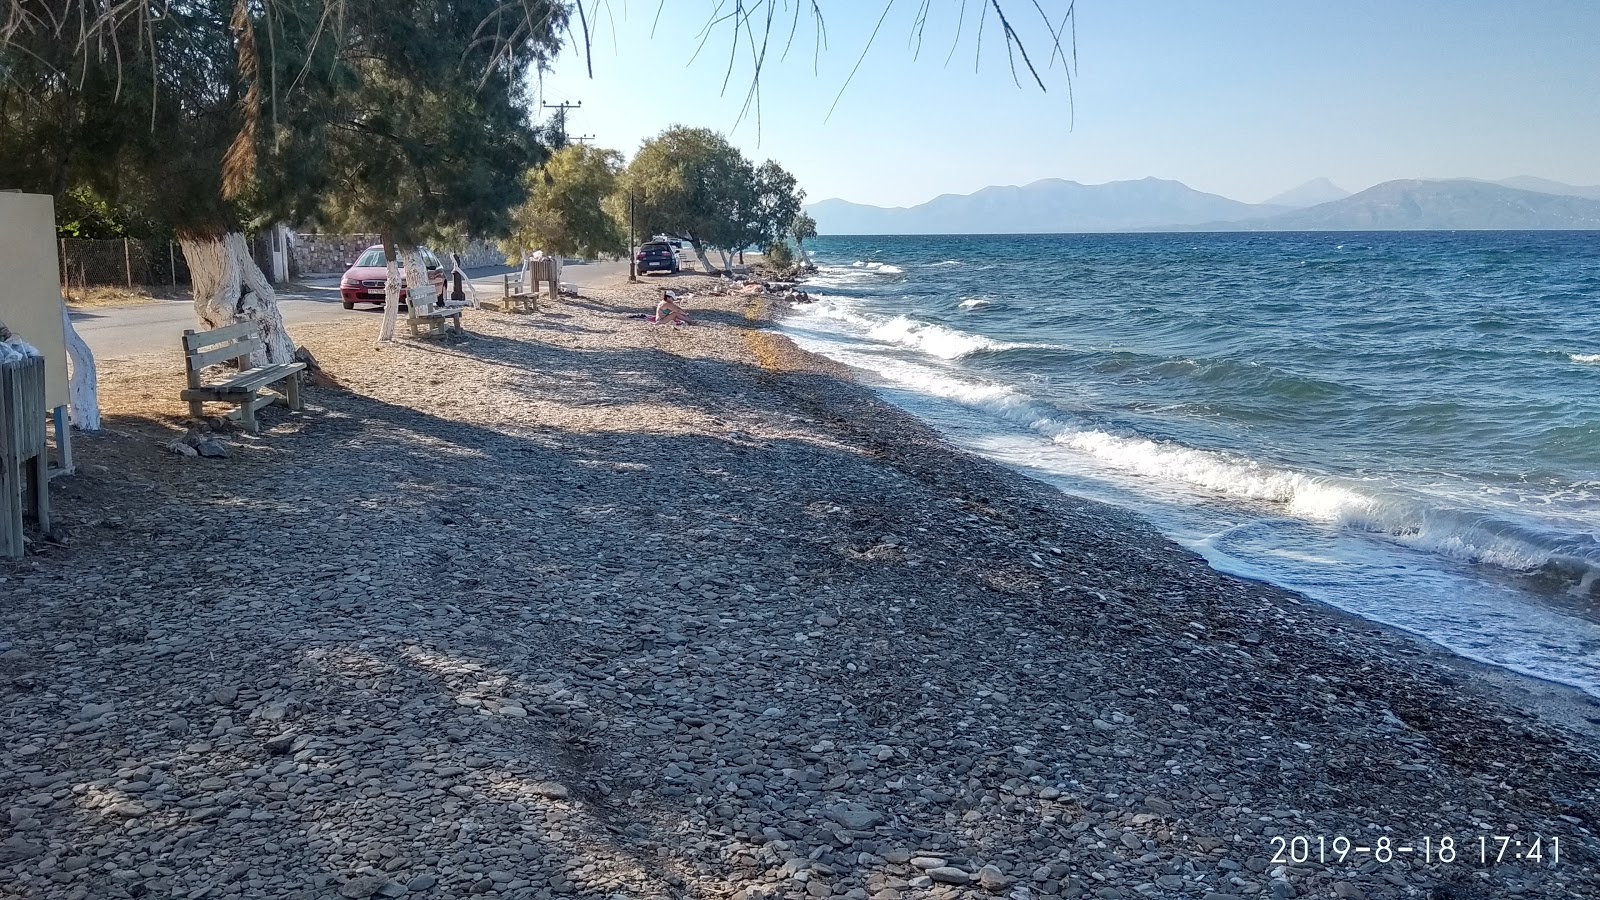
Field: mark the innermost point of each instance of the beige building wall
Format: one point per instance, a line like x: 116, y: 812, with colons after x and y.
x: 30, y: 301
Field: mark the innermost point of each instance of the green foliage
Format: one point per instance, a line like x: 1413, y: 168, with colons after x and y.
x: 221, y: 113
x: 685, y: 181
x: 82, y: 213
x: 565, y: 213
x: 777, y: 202
x: 779, y: 255
x: 428, y: 129
x: 692, y: 182
x: 804, y: 228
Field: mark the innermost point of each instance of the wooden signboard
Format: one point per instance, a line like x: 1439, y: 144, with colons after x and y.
x: 30, y: 284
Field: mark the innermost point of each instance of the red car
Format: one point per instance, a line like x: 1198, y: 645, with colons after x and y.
x: 363, y: 281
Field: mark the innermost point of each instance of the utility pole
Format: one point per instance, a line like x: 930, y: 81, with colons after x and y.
x: 582, y: 139
x: 633, y: 275
x: 561, y: 115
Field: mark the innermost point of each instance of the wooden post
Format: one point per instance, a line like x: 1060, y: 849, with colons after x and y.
x: 127, y: 260
x: 172, y: 263
x: 196, y: 408
x: 63, y: 442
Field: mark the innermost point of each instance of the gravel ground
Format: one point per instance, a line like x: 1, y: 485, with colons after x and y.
x: 580, y: 605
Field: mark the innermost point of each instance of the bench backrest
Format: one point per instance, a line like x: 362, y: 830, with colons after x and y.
x: 230, y: 342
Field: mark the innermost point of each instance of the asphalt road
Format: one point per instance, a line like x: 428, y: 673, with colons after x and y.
x: 129, y: 330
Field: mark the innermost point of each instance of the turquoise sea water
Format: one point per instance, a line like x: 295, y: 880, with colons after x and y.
x: 1405, y: 425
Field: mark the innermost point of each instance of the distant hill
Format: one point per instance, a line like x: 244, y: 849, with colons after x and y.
x: 1546, y: 186
x: 1416, y: 205
x: 1043, y: 207
x: 1317, y: 190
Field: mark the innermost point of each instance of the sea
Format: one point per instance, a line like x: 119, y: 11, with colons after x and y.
x: 1404, y: 425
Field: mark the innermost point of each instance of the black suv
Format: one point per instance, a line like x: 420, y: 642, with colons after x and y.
x: 657, y: 256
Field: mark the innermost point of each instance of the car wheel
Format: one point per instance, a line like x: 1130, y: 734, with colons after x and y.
x: 348, y: 304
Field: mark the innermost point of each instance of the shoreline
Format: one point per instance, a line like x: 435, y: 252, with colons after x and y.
x: 686, y: 612
x: 1570, y: 707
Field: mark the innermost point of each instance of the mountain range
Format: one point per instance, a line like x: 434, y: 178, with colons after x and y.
x: 1153, y: 204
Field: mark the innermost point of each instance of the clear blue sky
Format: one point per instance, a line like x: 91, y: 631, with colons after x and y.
x: 1244, y: 98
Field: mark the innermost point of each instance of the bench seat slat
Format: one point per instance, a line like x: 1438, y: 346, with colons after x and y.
x: 250, y: 380
x: 201, y: 339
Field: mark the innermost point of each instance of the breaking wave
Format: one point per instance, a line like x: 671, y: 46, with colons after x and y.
x: 1369, y: 506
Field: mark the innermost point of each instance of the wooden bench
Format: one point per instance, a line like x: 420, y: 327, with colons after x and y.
x: 247, y: 389
x: 516, y: 296
x: 522, y: 292
x: 431, y: 319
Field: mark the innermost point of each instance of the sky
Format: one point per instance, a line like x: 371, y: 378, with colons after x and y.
x: 1243, y: 98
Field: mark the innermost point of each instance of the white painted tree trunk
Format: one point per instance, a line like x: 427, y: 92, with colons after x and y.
x: 229, y: 287
x: 700, y: 254
x: 391, y: 298
x: 83, y: 385
x: 727, y: 259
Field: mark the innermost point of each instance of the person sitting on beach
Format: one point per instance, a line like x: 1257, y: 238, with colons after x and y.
x: 671, y: 309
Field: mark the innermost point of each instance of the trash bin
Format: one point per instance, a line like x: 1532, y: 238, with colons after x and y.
x: 23, y: 463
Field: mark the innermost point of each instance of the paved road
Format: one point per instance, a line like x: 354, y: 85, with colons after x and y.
x: 128, y: 330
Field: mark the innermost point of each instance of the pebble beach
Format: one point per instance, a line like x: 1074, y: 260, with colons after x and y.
x: 576, y: 605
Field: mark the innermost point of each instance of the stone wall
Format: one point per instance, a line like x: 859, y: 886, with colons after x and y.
x: 331, y: 254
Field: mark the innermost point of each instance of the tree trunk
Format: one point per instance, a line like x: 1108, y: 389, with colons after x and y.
x: 700, y: 254
x: 229, y: 288
x: 727, y: 261
x: 83, y: 391
x: 391, y: 292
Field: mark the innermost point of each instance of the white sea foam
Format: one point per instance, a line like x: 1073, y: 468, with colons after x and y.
x: 1585, y: 357
x: 975, y: 302
x: 934, y: 340
x: 931, y: 338
x: 943, y: 265
x: 1390, y: 511
x: 880, y: 268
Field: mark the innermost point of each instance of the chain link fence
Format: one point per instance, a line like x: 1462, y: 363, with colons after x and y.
x: 124, y: 262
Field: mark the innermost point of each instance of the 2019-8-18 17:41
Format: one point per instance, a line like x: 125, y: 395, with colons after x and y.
x: 1483, y: 850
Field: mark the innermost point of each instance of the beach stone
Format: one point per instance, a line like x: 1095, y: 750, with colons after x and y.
x: 856, y: 818
x: 949, y: 875
x: 992, y: 879
x: 361, y: 887
x: 552, y: 790
x: 421, y: 883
